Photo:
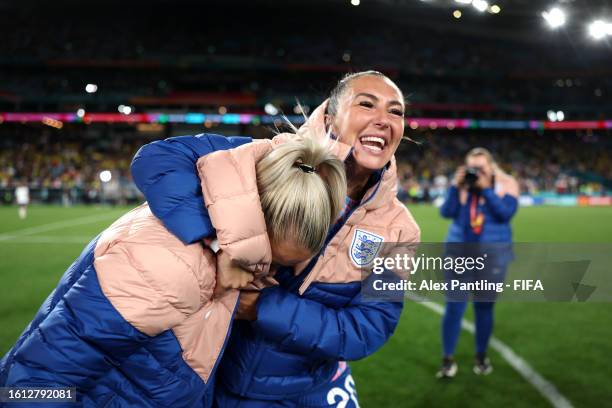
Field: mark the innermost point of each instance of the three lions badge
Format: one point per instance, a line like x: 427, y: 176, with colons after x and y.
x: 365, y: 247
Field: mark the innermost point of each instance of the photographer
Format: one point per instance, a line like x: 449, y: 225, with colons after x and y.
x: 481, y: 202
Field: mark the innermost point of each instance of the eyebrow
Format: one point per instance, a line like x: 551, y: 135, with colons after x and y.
x: 369, y: 95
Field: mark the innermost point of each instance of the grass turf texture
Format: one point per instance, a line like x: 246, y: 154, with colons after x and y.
x: 569, y: 344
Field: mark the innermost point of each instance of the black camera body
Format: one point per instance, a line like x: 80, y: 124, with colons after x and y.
x: 471, y: 176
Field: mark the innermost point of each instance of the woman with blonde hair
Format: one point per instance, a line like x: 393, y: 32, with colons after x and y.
x: 141, y: 318
x: 481, y: 202
x: 290, y: 346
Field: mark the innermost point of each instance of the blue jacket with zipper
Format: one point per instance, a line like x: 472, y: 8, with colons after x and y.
x: 313, y: 319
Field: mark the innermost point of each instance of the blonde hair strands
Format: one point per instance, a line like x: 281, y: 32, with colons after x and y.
x: 300, y: 205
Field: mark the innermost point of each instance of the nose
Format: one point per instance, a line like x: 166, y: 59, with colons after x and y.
x: 381, y: 120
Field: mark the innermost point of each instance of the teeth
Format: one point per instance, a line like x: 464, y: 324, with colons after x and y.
x: 373, y: 148
x: 375, y: 139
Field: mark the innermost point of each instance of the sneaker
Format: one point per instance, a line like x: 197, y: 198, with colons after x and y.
x: 448, y: 369
x: 483, y: 366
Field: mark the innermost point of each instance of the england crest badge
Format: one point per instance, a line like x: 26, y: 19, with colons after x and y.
x: 365, y: 247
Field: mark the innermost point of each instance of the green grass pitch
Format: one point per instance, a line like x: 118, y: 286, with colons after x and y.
x: 568, y: 344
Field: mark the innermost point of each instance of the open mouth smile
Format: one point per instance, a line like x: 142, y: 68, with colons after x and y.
x: 374, y: 144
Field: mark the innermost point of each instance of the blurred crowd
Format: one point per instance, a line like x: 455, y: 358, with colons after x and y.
x: 559, y: 163
x: 199, y: 59
x: 67, y: 166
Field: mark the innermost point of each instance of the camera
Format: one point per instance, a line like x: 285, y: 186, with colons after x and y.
x: 471, y: 176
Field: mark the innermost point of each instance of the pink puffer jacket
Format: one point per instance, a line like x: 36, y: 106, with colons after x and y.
x: 157, y: 283
x: 240, y: 225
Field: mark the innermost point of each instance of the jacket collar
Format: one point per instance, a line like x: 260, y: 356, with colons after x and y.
x: 384, y: 190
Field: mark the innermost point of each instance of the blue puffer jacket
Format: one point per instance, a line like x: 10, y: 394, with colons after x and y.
x: 310, y: 321
x: 80, y: 339
x: 497, y: 211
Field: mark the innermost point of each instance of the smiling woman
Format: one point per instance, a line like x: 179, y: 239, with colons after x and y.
x: 314, y: 318
x: 366, y: 111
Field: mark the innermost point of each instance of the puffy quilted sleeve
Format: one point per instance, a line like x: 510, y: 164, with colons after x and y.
x: 129, y: 293
x: 165, y: 172
x: 81, y: 339
x: 352, y: 332
x: 307, y: 327
x: 229, y: 184
x: 502, y: 208
x: 105, y: 317
x: 153, y: 287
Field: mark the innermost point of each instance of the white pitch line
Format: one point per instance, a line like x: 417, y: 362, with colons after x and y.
x: 544, y: 387
x: 90, y: 219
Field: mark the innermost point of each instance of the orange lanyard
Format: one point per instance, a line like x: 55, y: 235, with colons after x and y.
x: 476, y: 218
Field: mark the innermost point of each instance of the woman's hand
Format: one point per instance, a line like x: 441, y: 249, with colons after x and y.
x: 247, y: 307
x: 230, y: 276
x: 459, y: 177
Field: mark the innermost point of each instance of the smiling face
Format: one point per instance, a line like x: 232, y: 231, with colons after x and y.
x: 371, y: 119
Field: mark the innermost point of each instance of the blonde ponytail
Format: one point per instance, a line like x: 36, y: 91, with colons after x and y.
x: 302, y: 187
